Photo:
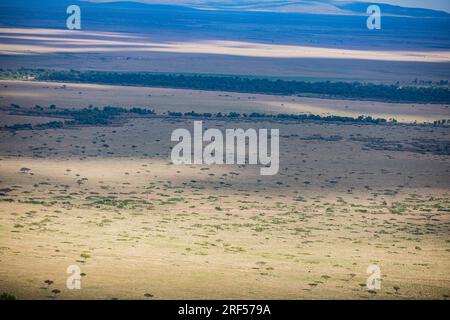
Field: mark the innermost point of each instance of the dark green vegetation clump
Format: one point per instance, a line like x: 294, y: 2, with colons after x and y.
x: 96, y: 116
x: 86, y: 116
x: 6, y: 296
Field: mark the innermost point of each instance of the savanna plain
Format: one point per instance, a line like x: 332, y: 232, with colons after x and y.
x: 108, y: 199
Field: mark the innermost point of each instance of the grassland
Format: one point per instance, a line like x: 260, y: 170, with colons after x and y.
x: 28, y: 94
x: 108, y: 199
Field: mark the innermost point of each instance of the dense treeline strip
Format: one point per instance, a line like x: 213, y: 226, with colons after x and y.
x: 343, y: 90
x: 280, y: 116
x: 96, y: 116
x: 86, y: 116
x: 107, y: 115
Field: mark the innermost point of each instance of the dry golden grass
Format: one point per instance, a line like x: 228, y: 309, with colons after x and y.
x: 137, y: 224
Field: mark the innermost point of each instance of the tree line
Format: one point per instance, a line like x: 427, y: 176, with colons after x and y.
x: 343, y: 90
x: 104, y: 116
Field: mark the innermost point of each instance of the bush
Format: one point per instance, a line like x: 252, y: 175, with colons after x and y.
x: 7, y: 296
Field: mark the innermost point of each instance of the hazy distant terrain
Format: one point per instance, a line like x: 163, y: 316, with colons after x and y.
x: 329, y: 30
x: 184, y: 39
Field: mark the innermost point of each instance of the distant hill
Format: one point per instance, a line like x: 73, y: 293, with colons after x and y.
x: 387, y: 9
x: 256, y: 22
x: 297, y: 6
